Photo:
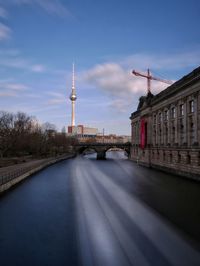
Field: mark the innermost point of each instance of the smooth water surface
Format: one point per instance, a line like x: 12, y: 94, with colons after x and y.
x: 88, y: 212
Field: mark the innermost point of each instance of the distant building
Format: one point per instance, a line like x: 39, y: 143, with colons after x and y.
x: 83, y: 132
x: 166, y: 128
x: 112, y: 138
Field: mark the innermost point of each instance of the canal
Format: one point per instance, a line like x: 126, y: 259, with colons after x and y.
x: 87, y: 212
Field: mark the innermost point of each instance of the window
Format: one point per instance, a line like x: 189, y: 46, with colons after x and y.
x: 166, y: 134
x: 160, y: 118
x: 179, y: 158
x: 173, y: 134
x: 192, y: 132
x: 191, y: 106
x: 188, y: 158
x: 154, y: 136
x: 181, y: 132
x: 173, y: 112
x: 181, y: 110
x: 164, y: 156
x: 166, y: 115
x: 154, y: 119
x: 170, y: 158
x: 160, y: 135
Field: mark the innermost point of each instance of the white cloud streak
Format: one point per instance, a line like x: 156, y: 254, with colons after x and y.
x: 20, y: 63
x: 165, y: 62
x: 5, y: 32
x: 58, y: 98
x: 12, y: 89
x: 13, y: 86
x: 3, y: 13
x: 53, y: 7
x: 8, y: 94
x: 38, y: 68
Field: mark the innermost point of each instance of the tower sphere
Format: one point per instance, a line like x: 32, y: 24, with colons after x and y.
x: 73, y: 97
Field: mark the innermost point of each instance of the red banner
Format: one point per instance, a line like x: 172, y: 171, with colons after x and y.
x: 142, y: 134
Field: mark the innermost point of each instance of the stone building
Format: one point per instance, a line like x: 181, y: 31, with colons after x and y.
x: 166, y: 128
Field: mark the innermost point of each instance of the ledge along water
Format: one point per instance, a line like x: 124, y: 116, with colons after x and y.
x: 87, y: 212
x: 12, y: 175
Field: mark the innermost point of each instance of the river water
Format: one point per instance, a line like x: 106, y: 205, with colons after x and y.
x: 87, y: 212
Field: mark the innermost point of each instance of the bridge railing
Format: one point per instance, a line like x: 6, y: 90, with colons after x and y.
x: 103, y: 144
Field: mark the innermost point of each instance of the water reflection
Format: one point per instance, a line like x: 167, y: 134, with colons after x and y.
x: 110, y: 154
x: 116, y: 227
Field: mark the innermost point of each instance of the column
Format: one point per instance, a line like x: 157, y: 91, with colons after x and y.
x: 196, y: 118
x: 169, y: 125
x: 185, y: 121
x: 176, y: 123
x: 162, y: 127
x: 156, y: 129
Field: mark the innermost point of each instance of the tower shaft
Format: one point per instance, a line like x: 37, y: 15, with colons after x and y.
x: 73, y: 114
x: 73, y: 97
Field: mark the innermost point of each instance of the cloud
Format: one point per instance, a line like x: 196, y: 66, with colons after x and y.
x: 38, y: 68
x: 13, y: 86
x: 11, y: 61
x: 11, y: 89
x: 3, y: 13
x: 58, y: 98
x: 57, y: 101
x: 54, y: 7
x: 9, y: 52
x: 174, y: 61
x: 7, y: 94
x: 115, y: 78
x: 5, y: 32
x: 117, y: 81
x: 55, y: 94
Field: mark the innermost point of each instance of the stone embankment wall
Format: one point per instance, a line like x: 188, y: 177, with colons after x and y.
x: 13, y: 175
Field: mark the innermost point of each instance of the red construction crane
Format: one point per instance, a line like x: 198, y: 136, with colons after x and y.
x: 149, y: 78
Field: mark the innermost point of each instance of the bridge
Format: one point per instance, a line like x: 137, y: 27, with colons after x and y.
x: 102, y: 148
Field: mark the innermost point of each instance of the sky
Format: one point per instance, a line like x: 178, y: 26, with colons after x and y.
x: 107, y: 39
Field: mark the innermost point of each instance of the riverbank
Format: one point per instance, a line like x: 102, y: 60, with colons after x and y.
x: 12, y: 175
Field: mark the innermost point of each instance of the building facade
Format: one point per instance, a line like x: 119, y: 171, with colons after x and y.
x: 166, y: 128
x: 83, y: 133
x: 112, y: 138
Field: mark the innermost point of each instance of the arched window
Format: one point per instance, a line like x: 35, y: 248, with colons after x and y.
x: 179, y: 157
x: 164, y: 156
x: 173, y: 112
x: 191, y: 106
x: 170, y: 158
x: 188, y: 159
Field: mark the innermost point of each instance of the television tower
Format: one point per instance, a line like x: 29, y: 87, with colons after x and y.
x: 73, y: 97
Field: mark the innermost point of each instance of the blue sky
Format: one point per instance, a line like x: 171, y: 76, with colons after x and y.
x: 107, y: 39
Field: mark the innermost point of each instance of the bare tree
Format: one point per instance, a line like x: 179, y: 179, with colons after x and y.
x: 21, y: 134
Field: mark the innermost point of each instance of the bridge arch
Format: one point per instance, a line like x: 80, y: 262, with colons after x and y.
x: 102, y: 148
x: 86, y: 148
x: 125, y: 150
